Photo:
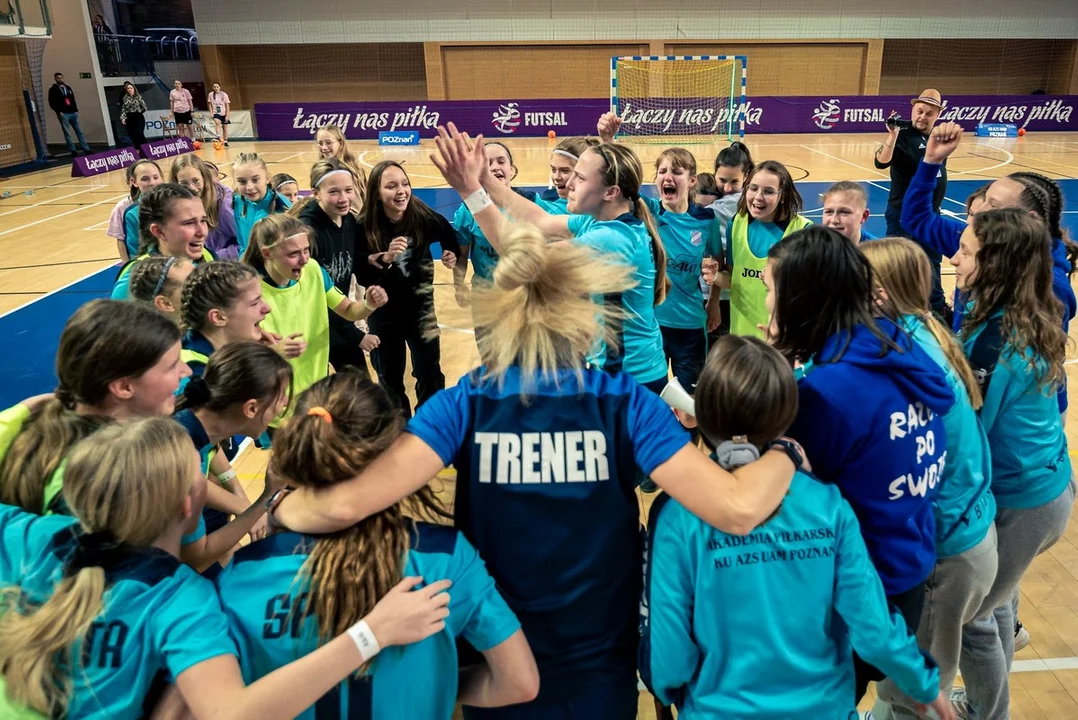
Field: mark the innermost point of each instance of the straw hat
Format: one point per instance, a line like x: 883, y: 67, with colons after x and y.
x: 929, y: 97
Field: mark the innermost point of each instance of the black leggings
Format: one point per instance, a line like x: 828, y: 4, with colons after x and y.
x: 395, y: 333
x: 136, y: 128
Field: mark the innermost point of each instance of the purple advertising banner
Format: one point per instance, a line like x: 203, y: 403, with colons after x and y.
x: 492, y: 118
x: 103, y: 162
x: 166, y: 148
x: 655, y: 116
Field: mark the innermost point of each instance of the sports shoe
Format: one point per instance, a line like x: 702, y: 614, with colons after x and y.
x: 960, y: 703
x: 1021, y: 636
x: 866, y: 715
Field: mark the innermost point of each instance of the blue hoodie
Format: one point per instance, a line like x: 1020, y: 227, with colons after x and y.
x: 1030, y: 464
x: 942, y: 234
x: 965, y: 506
x: 805, y: 584
x: 871, y: 422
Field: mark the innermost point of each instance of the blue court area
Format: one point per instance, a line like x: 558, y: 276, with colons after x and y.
x: 27, y: 368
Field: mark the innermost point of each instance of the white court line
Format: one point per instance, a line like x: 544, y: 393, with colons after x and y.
x: 466, y: 331
x: 978, y: 171
x: 88, y: 275
x: 28, y: 303
x: 363, y: 159
x: 46, y: 202
x: 53, y: 217
x: 843, y: 160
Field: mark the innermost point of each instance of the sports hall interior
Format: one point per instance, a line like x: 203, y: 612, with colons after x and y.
x: 56, y: 256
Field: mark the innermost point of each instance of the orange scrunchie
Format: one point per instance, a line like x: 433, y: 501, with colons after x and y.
x: 322, y: 413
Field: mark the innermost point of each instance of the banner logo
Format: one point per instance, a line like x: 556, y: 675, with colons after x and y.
x: 827, y: 114
x: 398, y: 138
x: 507, y: 118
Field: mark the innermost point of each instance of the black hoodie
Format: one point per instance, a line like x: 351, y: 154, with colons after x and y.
x: 336, y: 249
x: 409, y: 280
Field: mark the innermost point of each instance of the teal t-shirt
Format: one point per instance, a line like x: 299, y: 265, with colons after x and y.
x: 803, y: 581
x: 131, y: 229
x: 482, y: 254
x: 688, y: 238
x: 264, y: 603
x: 1030, y: 463
x: 762, y: 237
x: 640, y: 346
x: 248, y: 213
x: 965, y: 506
x: 159, y: 619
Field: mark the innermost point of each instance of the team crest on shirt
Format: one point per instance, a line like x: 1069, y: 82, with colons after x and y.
x: 696, y: 237
x: 507, y: 118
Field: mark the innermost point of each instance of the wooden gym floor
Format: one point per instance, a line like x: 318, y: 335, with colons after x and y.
x: 56, y: 256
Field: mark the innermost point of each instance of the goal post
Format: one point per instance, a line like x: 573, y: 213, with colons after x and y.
x: 695, y: 98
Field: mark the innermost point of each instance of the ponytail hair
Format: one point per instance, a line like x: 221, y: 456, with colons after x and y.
x: 737, y: 155
x: 209, y: 286
x: 155, y: 208
x: 623, y: 170
x: 96, y: 348
x: 126, y: 485
x: 355, y: 422
x: 238, y: 372
x: 902, y: 270
x: 1053, y: 209
x: 537, y: 313
x: 132, y: 170
x: 152, y: 276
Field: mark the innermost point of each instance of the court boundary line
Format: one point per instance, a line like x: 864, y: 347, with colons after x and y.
x: 42, y: 296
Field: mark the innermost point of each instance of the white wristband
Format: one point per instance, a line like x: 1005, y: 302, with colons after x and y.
x: 226, y: 477
x: 364, y: 639
x: 478, y: 201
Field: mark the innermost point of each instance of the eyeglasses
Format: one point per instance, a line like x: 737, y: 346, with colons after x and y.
x: 766, y: 192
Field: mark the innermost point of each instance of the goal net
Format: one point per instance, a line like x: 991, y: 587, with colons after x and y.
x: 694, y: 98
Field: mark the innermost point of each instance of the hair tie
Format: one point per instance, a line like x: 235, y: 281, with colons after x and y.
x: 164, y: 276
x: 322, y: 413
x: 197, y: 391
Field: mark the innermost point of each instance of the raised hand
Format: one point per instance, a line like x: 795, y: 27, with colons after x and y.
x: 449, y: 259
x: 608, y: 126
x: 460, y: 161
x: 942, y: 142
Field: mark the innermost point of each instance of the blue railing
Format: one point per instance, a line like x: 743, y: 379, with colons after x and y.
x: 35, y: 15
x: 121, y: 55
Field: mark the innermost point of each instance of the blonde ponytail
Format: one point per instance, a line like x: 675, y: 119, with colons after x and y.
x: 36, y: 643
x: 901, y: 270
x: 662, y: 283
x: 538, y: 313
x: 126, y: 484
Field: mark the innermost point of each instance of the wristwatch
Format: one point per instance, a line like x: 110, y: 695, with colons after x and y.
x: 792, y: 450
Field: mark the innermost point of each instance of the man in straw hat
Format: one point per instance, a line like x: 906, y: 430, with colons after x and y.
x: 901, y: 152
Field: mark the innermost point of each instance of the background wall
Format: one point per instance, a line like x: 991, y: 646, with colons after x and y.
x: 269, y: 22
x: 490, y: 49
x: 71, y: 51
x: 14, y: 124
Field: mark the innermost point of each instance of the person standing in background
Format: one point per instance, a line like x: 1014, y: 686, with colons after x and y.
x: 132, y: 115
x: 221, y: 108
x: 62, y: 102
x: 901, y: 152
x: 182, y: 105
